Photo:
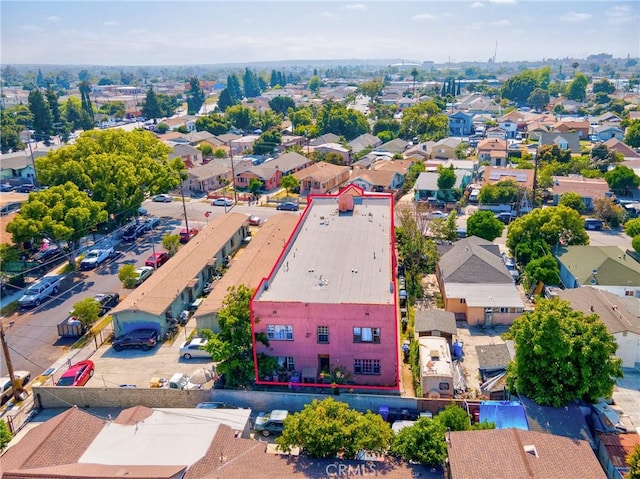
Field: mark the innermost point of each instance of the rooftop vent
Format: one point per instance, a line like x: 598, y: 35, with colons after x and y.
x: 531, y: 449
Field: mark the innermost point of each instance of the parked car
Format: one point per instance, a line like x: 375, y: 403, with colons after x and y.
x: 185, y: 237
x: 163, y: 198
x: 5, y: 188
x: 181, y: 381
x: 151, y: 222
x: 49, y: 255
x: 25, y: 188
x: 133, y: 231
x: 194, y: 348
x: 142, y: 274
x: 157, y: 259
x: 511, y: 267
x: 77, y: 375
x: 106, y: 301
x: 222, y: 202
x: 96, y: 257
x: 38, y: 292
x: 144, y: 339
x: 506, y: 217
x: 6, y: 388
x: 288, y: 206
x: 255, y: 220
x: 215, y: 405
x: 434, y: 215
x: 593, y: 224
x: 9, y: 208
x: 270, y: 422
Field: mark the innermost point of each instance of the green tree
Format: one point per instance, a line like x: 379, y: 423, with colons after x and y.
x: 251, y: 86
x: 484, y: 224
x: 632, y: 136
x: 572, y: 200
x: 242, y: 117
x: 255, y: 185
x: 577, y: 88
x: 603, y: 86
x: 214, y: 123
x: 388, y: 125
x: 338, y: 119
x: 267, y: 143
x: 235, y: 91
x: 633, y: 461
x: 151, y: 108
x: 289, y: 183
x: 608, y: 211
x: 446, y: 178
x: 87, y: 311
x: 88, y: 120
x: 558, y: 351
x: 622, y: 180
x: 282, y: 104
x: 270, y: 120
x: 119, y: 168
x: 372, y: 88
x: 73, y: 113
x: 61, y: 213
x: 425, y: 121
x: 519, y: 87
x: 300, y: 117
x: 171, y: 243
x: 206, y: 150
x: 503, y: 192
x: 635, y: 243
x: 5, y: 434
x: 225, y: 101
x: 9, y: 133
x: 536, y: 233
x: 314, y: 84
x: 128, y: 276
x: 423, y: 442
x: 632, y: 227
x: 455, y: 418
x: 42, y: 117
x: 232, y: 347
x: 543, y: 270
x: 327, y: 428
x: 195, y: 97
x: 538, y: 99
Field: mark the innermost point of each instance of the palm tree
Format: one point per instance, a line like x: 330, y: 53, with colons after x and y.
x: 414, y: 74
x: 574, y: 65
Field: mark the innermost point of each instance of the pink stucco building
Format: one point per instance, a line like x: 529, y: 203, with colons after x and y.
x: 329, y: 305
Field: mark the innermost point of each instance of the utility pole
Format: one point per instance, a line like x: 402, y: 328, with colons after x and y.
x: 184, y: 208
x: 233, y: 174
x: 15, y: 384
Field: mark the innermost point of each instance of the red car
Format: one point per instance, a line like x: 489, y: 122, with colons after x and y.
x: 157, y: 259
x: 77, y: 375
x: 184, y: 236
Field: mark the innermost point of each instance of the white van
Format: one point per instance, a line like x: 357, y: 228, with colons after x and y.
x: 473, y: 196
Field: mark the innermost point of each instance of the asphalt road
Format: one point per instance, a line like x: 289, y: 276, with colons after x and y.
x: 32, y: 335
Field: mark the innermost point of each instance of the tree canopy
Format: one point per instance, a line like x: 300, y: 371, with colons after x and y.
x: 484, y: 224
x: 622, y: 179
x: 61, y: 213
x: 336, y: 118
x: 425, y: 121
x: 446, y: 178
x: 328, y: 428
x: 562, y: 355
x: 214, y: 123
x: 195, y: 97
x: 632, y: 136
x: 519, y: 88
x: 503, y: 192
x: 536, y: 233
x: 281, y: 104
x: 116, y: 167
x: 572, y: 200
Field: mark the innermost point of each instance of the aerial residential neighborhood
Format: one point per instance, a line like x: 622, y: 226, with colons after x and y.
x: 237, y: 266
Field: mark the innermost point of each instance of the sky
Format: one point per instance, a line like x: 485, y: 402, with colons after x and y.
x: 191, y: 32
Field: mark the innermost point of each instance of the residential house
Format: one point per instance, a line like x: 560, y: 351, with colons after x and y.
x: 335, y: 148
x: 426, y: 186
x: 476, y: 285
x: 210, y: 176
x: 436, y: 371
x: 271, y: 172
x: 496, y: 132
x: 189, y: 155
x: 511, y: 123
x: 476, y: 103
x: 603, y: 267
x: 248, y: 268
x: 198, y: 138
x: 581, y: 127
x: 330, y: 310
x: 18, y: 167
x: 565, y: 141
x: 187, y: 121
x: 445, y: 149
x: 289, y: 141
x: 364, y: 141
x: 614, y: 450
x: 620, y: 315
x: 608, y: 131
x: 460, y: 123
x: 243, y: 145
x: 421, y: 151
x: 324, y: 139
x: 589, y: 189
x: 534, y: 129
x: 397, y: 145
x: 399, y: 166
x: 606, y: 117
x: 493, y: 151
x: 321, y: 177
x: 174, y: 286
x: 406, y: 102
x: 517, y: 453
x: 380, y: 181
x: 523, y: 178
x: 614, y: 145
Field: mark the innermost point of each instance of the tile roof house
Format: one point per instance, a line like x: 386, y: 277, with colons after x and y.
x: 496, y: 132
x: 189, y: 155
x: 517, y: 453
x: 581, y: 127
x: 321, y: 177
x: 379, y: 181
x: 603, y: 267
x: 617, y: 146
x: 397, y: 145
x: 255, y: 263
x: 210, y: 176
x: 621, y: 318
x: 331, y: 302
x: 446, y: 148
x: 271, y: 172
x: 608, y: 131
x: 366, y: 140
x: 323, y: 139
x: 564, y: 141
x: 174, y: 286
x: 494, y: 175
x: 197, y: 138
x: 476, y: 285
x: 493, y: 151
x: 589, y: 189
x: 336, y: 148
x: 535, y: 128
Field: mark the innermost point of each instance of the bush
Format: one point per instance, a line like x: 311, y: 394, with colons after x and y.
x: 635, y: 243
x: 632, y: 227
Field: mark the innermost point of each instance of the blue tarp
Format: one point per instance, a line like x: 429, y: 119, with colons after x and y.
x: 505, y: 414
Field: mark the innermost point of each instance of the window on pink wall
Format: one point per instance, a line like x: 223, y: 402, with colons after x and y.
x: 366, y: 366
x: 280, y: 332
x: 323, y: 334
x: 366, y: 335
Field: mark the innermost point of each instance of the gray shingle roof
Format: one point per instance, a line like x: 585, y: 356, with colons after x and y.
x: 474, y: 260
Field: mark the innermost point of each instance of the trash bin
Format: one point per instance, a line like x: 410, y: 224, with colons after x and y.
x: 384, y: 412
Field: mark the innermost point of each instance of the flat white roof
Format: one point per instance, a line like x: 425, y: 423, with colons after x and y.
x: 486, y: 295
x: 338, y: 258
x: 166, y: 438
x: 435, y: 357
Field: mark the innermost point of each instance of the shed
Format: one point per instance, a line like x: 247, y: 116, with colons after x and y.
x: 435, y: 322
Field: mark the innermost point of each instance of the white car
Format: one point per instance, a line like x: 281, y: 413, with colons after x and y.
x: 222, y: 202
x: 434, y: 215
x: 163, y: 198
x: 6, y: 388
x: 142, y: 274
x: 96, y: 257
x: 194, y: 348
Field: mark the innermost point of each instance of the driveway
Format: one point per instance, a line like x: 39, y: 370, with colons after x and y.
x: 626, y: 395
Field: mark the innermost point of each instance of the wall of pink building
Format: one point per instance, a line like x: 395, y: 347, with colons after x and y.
x: 341, y: 319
